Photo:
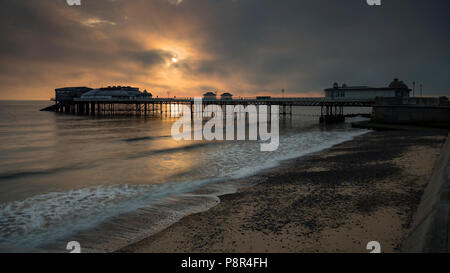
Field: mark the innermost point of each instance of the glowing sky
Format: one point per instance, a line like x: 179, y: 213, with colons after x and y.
x: 245, y: 47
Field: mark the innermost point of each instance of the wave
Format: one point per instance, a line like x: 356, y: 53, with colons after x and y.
x: 109, y: 217
x: 49, y: 171
x: 169, y: 150
x: 41, y: 219
x: 143, y: 138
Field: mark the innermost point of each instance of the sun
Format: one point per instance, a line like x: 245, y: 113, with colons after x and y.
x: 174, y: 60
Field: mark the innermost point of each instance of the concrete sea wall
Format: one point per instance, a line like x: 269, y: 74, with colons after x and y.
x: 413, y: 115
x: 430, y: 230
x: 432, y: 112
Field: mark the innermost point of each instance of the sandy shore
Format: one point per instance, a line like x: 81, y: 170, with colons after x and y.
x: 335, y: 201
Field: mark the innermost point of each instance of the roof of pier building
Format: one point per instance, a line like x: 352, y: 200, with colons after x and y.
x: 78, y: 88
x: 396, y: 84
x: 113, y: 91
x: 209, y: 95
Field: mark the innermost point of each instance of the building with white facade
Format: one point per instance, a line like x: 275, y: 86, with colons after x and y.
x: 395, y: 89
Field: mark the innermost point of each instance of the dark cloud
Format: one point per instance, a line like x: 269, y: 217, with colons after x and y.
x: 150, y: 57
x: 245, y: 46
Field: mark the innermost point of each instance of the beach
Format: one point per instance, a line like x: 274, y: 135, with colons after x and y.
x: 337, y: 200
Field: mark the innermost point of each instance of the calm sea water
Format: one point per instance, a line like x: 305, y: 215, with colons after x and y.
x: 63, y: 176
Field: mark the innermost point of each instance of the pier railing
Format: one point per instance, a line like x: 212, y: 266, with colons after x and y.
x: 247, y: 100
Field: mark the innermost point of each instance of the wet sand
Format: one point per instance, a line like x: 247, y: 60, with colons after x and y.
x: 337, y: 200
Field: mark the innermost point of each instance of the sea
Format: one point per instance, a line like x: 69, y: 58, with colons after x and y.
x: 107, y: 182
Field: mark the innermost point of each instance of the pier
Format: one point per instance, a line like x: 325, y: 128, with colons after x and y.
x: 332, y: 110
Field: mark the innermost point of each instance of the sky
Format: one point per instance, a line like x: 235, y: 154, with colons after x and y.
x: 184, y: 48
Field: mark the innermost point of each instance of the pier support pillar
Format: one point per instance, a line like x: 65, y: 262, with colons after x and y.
x: 331, y: 116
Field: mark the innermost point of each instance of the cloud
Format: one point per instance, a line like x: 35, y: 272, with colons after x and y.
x: 175, y: 2
x: 150, y: 57
x: 245, y: 47
x: 94, y: 22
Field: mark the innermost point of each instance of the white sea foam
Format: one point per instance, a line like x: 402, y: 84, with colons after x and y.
x: 251, y: 161
x: 34, y: 219
x: 44, y: 218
